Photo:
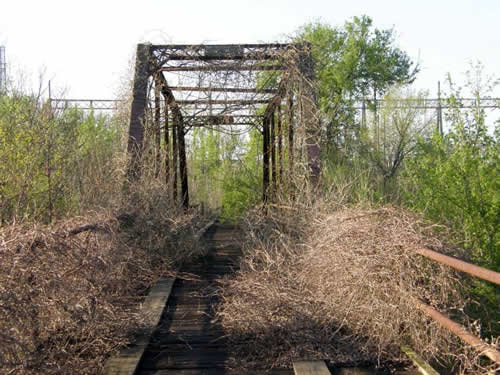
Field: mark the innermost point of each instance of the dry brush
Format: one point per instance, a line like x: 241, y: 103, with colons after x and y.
x: 341, y: 286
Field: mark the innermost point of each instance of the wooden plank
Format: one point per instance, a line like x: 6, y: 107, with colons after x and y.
x: 354, y: 371
x: 209, y: 334
x: 190, y: 339
x: 127, y: 361
x: 196, y: 358
x: 216, y: 371
x: 422, y: 365
x: 310, y: 368
x: 156, y: 300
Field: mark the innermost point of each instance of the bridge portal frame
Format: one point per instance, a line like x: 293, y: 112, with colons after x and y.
x: 239, y: 102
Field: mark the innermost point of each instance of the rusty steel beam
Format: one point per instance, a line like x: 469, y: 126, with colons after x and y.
x: 181, y: 145
x: 212, y: 126
x: 280, y: 93
x: 183, y: 166
x: 268, y: 147
x: 280, y: 145
x: 460, y: 265
x: 222, y: 89
x: 265, y: 160
x: 220, y: 68
x: 69, y: 101
x: 157, y: 125
x: 227, y: 102
x: 460, y: 331
x: 178, y: 143
x: 223, y: 114
x: 86, y: 104
x: 167, y: 148
x: 195, y: 57
x: 200, y: 47
x: 290, y: 138
x: 273, y: 156
x: 309, y: 108
x: 175, y: 159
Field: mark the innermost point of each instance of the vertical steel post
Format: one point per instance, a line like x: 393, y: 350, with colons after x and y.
x: 309, y: 114
x: 167, y: 147
x: 280, y: 145
x: 157, y: 127
x: 182, y: 163
x: 273, y: 155
x: 139, y: 95
x: 3, y: 71
x: 439, y: 112
x: 174, y: 159
x: 265, y: 160
x: 290, y: 138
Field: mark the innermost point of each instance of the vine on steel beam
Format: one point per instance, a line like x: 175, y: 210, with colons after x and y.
x: 309, y: 102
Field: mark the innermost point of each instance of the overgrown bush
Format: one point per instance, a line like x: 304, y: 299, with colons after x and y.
x: 53, y: 163
x: 70, y: 292
x: 455, y: 181
x: 341, y: 285
x: 69, y: 298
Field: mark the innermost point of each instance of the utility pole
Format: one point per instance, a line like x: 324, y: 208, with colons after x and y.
x: 439, y: 112
x: 3, y: 70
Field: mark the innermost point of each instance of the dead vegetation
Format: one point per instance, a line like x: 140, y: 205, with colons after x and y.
x: 345, y: 293
x: 70, y: 292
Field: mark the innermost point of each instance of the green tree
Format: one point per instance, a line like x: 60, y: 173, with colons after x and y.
x: 213, y: 154
x: 387, y: 142
x: 354, y: 62
x: 242, y: 185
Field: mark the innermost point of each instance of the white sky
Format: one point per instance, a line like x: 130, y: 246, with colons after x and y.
x: 85, y: 46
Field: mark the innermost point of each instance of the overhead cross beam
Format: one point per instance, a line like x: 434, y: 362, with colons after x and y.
x: 224, y: 89
x: 221, y: 68
x: 223, y: 102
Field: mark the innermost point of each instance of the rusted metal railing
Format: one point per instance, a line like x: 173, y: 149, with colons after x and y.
x: 460, y: 265
x: 482, y: 347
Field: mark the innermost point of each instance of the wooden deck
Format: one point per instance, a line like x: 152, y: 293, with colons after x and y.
x: 188, y: 340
